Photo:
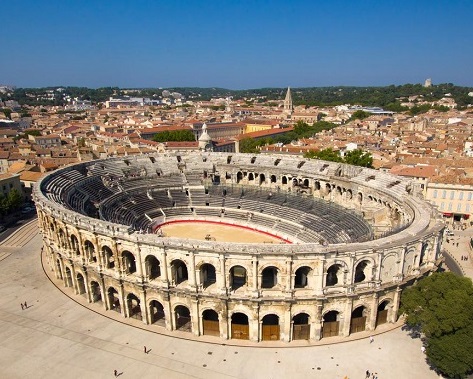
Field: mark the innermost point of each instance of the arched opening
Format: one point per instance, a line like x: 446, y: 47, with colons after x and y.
x: 134, y: 309
x: 349, y: 194
x: 262, y: 179
x: 237, y: 277
x: 108, y: 255
x: 251, y: 177
x: 207, y: 275
x: 80, y: 284
x: 153, y: 270
x: 210, y: 323
x: 361, y: 271
x: 239, y: 176
x: 129, y: 263
x: 240, y: 326
x: 331, y: 324
x: 114, y: 300
x: 59, y: 271
x: 269, y: 277
x: 273, y: 179
x: 317, y: 186
x: 334, y: 273
x: 179, y: 271
x: 305, y: 183
x: 382, y: 314
x: 423, y: 252
x: 156, y: 311
x: 96, y: 295
x: 89, y: 251
x: 183, y: 318
x: 270, y: 328
x: 284, y: 180
x: 62, y: 238
x: 358, y: 319
x: 68, y: 278
x: 328, y: 188
x: 301, y: 278
x: 75, y: 244
x: 360, y: 197
x: 301, y: 327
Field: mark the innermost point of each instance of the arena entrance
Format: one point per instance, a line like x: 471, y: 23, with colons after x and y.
x: 240, y: 327
x: 270, y: 328
x: 382, y: 316
x: 156, y: 311
x: 183, y: 318
x: 301, y: 327
x: 210, y: 323
x: 331, y: 324
x: 358, y: 320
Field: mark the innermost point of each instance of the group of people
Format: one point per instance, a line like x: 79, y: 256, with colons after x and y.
x: 464, y: 257
x: 24, y: 305
x: 372, y: 375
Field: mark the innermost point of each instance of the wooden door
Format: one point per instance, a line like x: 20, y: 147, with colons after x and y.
x: 270, y: 332
x: 301, y: 332
x: 382, y: 317
x: 357, y: 324
x: 240, y: 332
x: 330, y: 329
x: 211, y: 328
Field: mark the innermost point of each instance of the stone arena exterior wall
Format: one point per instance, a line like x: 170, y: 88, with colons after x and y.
x: 315, y: 290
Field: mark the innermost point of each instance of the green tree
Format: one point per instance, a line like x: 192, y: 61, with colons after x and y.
x: 14, y: 199
x: 360, y: 115
x: 174, y: 135
x: 325, y: 155
x: 441, y: 306
x: 359, y: 157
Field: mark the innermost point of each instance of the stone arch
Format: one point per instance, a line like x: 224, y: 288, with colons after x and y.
x: 301, y: 326
x: 81, y: 284
x: 68, y: 277
x: 306, y: 182
x: 269, y: 277
x: 334, y: 275
x: 331, y: 324
x: 75, y: 244
x: 240, y: 326
x: 409, y: 261
x: 239, y: 177
x: 156, y: 311
x: 270, y: 329
x: 210, y: 323
x: 134, y: 306
x: 362, y: 271
x: 89, y: 251
x: 358, y: 319
x: 95, y: 292
x: 262, y: 179
x: 152, y: 267
x: 179, y: 271
x: 183, y: 318
x: 62, y: 238
x: 109, y: 259
x: 114, y: 299
x: 129, y: 262
x: 284, y: 179
x: 251, y: 177
x: 273, y: 179
x: 301, y: 279
x: 317, y: 185
x: 208, y: 275
x: 238, y: 277
x: 59, y: 265
x: 382, y: 312
x: 388, y: 267
x: 423, y: 252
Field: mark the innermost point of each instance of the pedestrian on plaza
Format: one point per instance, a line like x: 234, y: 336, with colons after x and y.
x: 22, y: 306
x: 144, y: 347
x: 26, y: 305
x: 367, y: 374
x: 371, y: 339
x: 115, y: 372
x: 422, y: 348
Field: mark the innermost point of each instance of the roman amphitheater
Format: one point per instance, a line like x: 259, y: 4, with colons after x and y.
x: 236, y: 246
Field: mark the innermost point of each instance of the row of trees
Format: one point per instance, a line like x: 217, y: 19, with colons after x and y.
x: 174, y: 135
x: 355, y: 157
x: 10, y: 203
x: 441, y: 307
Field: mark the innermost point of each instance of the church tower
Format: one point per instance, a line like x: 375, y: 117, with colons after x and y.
x: 288, y: 108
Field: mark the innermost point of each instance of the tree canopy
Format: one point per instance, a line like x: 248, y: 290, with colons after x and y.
x: 174, y: 135
x: 441, y: 305
x: 355, y: 157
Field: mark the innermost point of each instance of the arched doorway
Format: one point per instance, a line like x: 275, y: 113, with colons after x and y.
x: 179, y: 271
x: 331, y: 324
x: 361, y: 271
x: 129, y: 262
x: 114, y: 300
x: 183, y: 318
x: 59, y: 271
x: 334, y: 273
x: 156, y: 311
x: 237, y: 277
x: 382, y: 315
x: 358, y: 320
x: 240, y: 326
x: 301, y: 327
x: 89, y: 251
x: 108, y: 255
x: 269, y: 277
x: 207, y: 275
x: 96, y: 295
x: 301, y: 278
x: 68, y: 278
x: 134, y: 309
x: 270, y: 328
x: 239, y: 176
x: 210, y: 323
x: 75, y: 244
x: 153, y: 270
x: 80, y: 284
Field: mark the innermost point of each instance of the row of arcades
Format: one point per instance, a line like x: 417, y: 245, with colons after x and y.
x: 340, y: 317
x: 207, y: 277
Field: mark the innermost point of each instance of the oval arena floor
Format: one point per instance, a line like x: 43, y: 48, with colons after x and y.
x: 216, y: 231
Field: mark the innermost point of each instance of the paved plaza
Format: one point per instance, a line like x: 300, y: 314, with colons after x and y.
x: 58, y: 337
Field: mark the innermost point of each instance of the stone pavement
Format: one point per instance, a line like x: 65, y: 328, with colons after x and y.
x: 57, y: 337
x: 458, y: 246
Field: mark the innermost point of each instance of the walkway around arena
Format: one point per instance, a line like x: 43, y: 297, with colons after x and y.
x: 57, y: 337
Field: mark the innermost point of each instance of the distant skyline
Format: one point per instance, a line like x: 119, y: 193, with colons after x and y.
x: 235, y: 44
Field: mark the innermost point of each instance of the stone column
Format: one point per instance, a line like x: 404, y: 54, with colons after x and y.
x: 287, y: 335
x: 374, y: 312
x: 195, y: 317
x: 146, y: 317
x: 395, y: 307
x: 321, y: 278
x: 221, y: 279
x: 345, y: 325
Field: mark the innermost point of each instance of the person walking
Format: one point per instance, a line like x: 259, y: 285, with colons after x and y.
x: 22, y: 306
x: 371, y: 339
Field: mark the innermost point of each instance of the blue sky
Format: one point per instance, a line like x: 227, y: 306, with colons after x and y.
x: 235, y: 44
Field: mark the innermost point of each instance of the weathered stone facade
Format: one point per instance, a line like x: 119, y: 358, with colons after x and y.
x: 241, y: 291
